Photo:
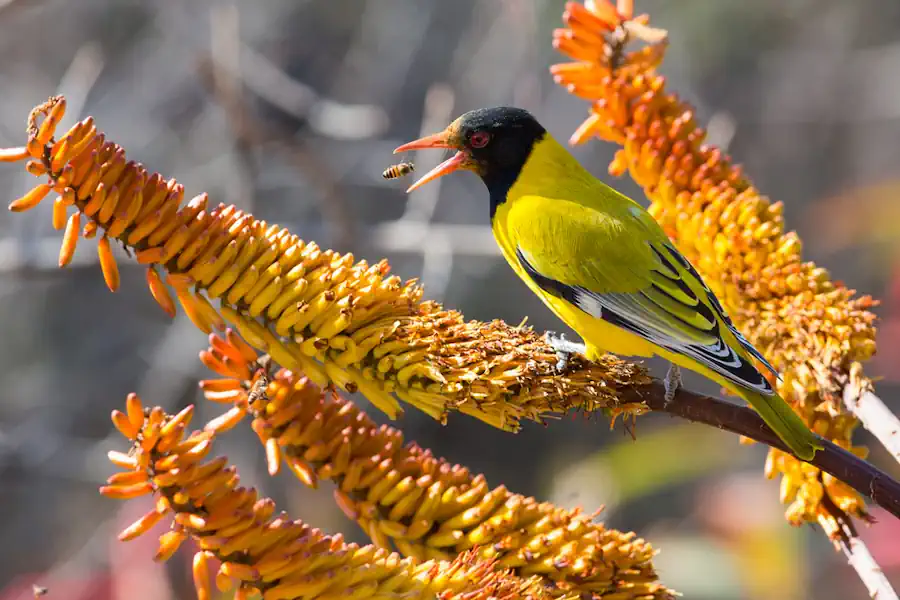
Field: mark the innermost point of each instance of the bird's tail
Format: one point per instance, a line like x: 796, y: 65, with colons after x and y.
x: 785, y: 422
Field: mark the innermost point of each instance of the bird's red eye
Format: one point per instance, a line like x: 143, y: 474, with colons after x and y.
x: 479, y: 139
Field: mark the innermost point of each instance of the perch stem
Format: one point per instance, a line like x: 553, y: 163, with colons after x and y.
x: 855, y: 472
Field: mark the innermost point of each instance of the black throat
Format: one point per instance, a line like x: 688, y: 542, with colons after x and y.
x: 500, y: 175
x: 498, y: 183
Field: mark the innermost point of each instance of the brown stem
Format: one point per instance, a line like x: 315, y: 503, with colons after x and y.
x: 855, y: 472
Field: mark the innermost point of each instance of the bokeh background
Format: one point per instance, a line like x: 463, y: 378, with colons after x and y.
x: 290, y: 109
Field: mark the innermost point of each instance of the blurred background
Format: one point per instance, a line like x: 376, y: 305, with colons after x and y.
x: 290, y: 109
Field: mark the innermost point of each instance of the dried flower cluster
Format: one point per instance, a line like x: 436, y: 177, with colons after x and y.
x: 313, y: 311
x: 245, y: 547
x: 811, y: 328
x: 400, y: 493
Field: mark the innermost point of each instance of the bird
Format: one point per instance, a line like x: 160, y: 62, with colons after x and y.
x: 602, y: 264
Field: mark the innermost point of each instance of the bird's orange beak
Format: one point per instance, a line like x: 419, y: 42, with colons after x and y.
x: 445, y: 139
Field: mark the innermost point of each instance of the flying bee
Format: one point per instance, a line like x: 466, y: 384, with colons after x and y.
x: 396, y: 171
x: 260, y: 381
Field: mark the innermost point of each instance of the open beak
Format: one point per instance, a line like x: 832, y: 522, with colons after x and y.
x: 444, y: 139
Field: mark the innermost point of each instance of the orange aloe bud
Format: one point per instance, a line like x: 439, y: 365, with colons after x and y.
x: 273, y: 456
x: 99, y: 198
x: 70, y: 239
x: 200, y: 571
x: 108, y: 264
x: 239, y: 571
x: 227, y: 420
x: 219, y: 385
x: 302, y: 471
x: 215, y: 364
x: 224, y: 583
x: 59, y: 213
x: 243, y: 347
x: 159, y: 291
x: 124, y: 425
x: 14, y: 154
x: 126, y: 492
x: 183, y: 417
x: 134, y: 408
x: 226, y: 396
x: 33, y: 167
x: 109, y: 205
x: 35, y: 148
x: 597, y: 14
x: 346, y: 504
x: 121, y: 459
x: 48, y: 127
x: 169, y: 543
x: 223, y: 347
x: 68, y: 196
x: 31, y: 199
x: 149, y: 256
x: 208, y: 311
x: 192, y: 309
x: 127, y: 477
x: 141, y: 526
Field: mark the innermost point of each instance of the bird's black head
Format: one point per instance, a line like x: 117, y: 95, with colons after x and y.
x: 492, y: 142
x: 498, y: 140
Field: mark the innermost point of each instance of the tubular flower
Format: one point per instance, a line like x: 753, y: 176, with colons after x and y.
x: 258, y: 551
x: 401, y: 494
x: 814, y: 330
x: 314, y: 311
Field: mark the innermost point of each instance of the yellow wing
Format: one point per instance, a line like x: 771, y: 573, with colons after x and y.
x: 621, y: 268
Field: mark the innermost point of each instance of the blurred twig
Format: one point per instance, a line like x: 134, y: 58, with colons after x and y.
x: 410, y: 236
x: 869, y: 572
x: 7, y: 5
x: 858, y: 555
x: 855, y: 472
x: 875, y: 417
x: 224, y: 25
x: 438, y: 110
x: 436, y: 248
x: 255, y: 132
x: 721, y: 130
x: 79, y: 79
x: 42, y: 255
x: 334, y: 119
x: 862, y: 476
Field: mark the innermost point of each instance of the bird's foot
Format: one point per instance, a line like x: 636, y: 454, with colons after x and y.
x: 564, y: 349
x: 672, y: 382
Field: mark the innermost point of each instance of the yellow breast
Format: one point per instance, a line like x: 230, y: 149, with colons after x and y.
x: 598, y: 335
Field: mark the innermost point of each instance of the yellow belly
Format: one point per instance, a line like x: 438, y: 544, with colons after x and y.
x: 599, y: 336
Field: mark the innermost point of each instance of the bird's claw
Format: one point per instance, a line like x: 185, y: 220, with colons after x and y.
x: 672, y: 382
x: 564, y: 349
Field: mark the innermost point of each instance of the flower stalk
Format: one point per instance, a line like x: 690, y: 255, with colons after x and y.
x: 405, y: 498
x: 244, y: 546
x: 314, y: 311
x: 815, y: 331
